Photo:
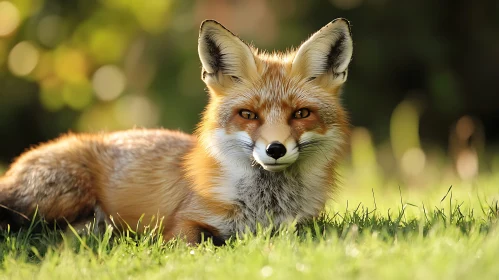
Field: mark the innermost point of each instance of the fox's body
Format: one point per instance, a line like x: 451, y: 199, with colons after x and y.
x: 127, y: 173
x: 265, y: 151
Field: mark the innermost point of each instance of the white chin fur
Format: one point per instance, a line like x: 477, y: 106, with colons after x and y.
x: 275, y: 168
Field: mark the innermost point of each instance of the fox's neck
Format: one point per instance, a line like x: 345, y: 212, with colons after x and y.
x: 273, y: 197
x: 255, y: 195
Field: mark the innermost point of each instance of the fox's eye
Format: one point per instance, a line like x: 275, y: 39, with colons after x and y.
x: 247, y: 114
x: 301, y: 114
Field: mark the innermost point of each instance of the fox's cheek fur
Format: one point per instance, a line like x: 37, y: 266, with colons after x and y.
x: 231, y: 148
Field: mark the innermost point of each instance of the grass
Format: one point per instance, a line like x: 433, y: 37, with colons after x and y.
x: 367, y: 233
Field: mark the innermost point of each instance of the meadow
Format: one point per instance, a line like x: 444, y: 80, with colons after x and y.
x: 373, y: 229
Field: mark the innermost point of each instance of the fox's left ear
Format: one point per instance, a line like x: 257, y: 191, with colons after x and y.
x: 327, y: 52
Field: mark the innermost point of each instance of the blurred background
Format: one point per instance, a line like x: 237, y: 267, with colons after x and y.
x: 423, y: 88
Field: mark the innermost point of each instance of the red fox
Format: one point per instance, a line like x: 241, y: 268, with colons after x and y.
x: 265, y: 151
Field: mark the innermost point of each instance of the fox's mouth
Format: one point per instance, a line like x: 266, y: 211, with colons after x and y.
x: 275, y: 167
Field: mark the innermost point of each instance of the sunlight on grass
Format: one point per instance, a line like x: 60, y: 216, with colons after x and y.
x: 406, y: 234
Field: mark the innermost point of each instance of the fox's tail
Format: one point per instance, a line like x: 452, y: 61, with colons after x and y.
x: 10, y: 215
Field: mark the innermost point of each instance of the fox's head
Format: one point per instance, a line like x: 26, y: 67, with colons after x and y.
x: 274, y: 110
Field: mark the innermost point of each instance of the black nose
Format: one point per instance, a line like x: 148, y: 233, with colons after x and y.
x: 276, y: 150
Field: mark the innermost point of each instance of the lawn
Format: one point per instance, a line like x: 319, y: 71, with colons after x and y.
x: 392, y: 232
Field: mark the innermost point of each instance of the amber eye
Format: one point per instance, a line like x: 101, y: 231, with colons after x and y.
x: 247, y: 114
x: 301, y: 114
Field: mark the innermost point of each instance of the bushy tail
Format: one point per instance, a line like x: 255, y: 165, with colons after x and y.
x: 10, y: 216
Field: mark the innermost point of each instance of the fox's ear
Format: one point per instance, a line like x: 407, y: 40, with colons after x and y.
x: 223, y: 54
x: 328, y: 51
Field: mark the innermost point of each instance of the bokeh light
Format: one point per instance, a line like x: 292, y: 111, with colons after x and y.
x: 77, y: 96
x: 108, y: 82
x: 151, y: 15
x: 467, y: 164
x: 23, y: 58
x: 413, y: 161
x: 404, y: 128
x: 136, y: 110
x: 465, y: 128
x: 9, y: 18
x: 107, y: 45
x: 71, y: 65
x: 49, y: 30
x: 466, y: 145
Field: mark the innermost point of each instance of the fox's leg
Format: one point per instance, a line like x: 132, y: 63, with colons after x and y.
x: 96, y: 223
x: 194, y: 233
x: 53, y: 180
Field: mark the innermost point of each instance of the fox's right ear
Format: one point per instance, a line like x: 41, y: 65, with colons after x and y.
x: 223, y: 54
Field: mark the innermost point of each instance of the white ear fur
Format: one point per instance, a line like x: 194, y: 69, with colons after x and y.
x: 329, y: 49
x: 223, y: 52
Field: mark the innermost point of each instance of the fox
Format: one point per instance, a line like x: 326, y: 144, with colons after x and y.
x: 265, y: 152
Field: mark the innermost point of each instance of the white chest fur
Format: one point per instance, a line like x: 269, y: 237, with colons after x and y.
x: 268, y: 198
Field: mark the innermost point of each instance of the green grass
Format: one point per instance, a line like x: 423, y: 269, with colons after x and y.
x: 385, y: 232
